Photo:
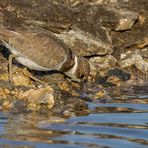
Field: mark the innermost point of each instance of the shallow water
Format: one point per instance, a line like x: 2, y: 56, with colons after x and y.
x: 123, y: 122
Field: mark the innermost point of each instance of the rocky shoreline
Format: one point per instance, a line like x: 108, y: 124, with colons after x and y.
x: 111, y: 34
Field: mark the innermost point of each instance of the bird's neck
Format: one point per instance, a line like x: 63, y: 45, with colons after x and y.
x: 72, y: 72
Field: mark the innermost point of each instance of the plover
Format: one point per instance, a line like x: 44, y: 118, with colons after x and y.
x: 40, y: 50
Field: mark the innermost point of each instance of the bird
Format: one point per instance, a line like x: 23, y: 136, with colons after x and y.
x: 41, y: 50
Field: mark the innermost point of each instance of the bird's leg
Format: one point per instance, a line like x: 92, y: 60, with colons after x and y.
x: 11, y: 56
x: 26, y: 73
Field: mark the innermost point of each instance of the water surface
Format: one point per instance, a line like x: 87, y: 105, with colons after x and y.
x: 123, y: 122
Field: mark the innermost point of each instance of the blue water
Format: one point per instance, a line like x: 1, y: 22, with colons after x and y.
x: 121, y: 123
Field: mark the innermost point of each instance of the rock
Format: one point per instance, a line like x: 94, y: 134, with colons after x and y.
x: 120, y: 74
x: 114, y: 77
x: 4, y: 76
x: 114, y: 80
x: 75, y: 3
x: 7, y: 105
x: 74, y: 93
x: 142, y: 66
x: 100, y: 94
x: 3, y: 95
x: 116, y: 17
x: 18, y: 77
x: 7, y: 85
x: 95, y: 93
x: 84, y: 44
x: 93, y: 72
x: 68, y: 113
x: 33, y: 99
x: 38, y: 97
x: 135, y: 58
x: 133, y: 81
x: 126, y: 19
x: 69, y: 88
x: 64, y: 86
x: 144, y: 53
x: 143, y: 43
x: 103, y: 64
x: 53, y: 78
x: 131, y: 38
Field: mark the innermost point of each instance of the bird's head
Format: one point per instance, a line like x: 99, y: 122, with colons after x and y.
x: 80, y: 70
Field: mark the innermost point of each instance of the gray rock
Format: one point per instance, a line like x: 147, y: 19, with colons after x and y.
x: 84, y: 44
x: 126, y: 19
x: 135, y: 58
x: 103, y: 64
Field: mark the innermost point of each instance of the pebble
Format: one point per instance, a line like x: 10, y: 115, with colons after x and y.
x: 135, y: 58
x: 126, y: 19
x: 102, y: 64
x: 68, y: 113
x: 40, y: 96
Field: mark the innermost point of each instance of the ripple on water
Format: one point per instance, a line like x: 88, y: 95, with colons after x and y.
x: 115, y: 124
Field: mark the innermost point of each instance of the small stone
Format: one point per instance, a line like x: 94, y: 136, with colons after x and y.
x: 93, y: 72
x: 103, y: 64
x: 68, y: 113
x: 4, y: 76
x: 135, y: 58
x: 141, y: 19
x: 39, y: 97
x: 126, y: 20
x: 50, y: 101
x: 143, y: 44
x: 144, y: 53
x: 116, y: 74
x: 13, y: 92
x: 99, y: 94
x: 113, y: 79
x: 3, y: 95
x: 142, y: 65
x: 134, y: 81
x: 55, y: 78
x: 74, y: 93
x: 32, y: 106
x: 7, y: 105
x: 75, y: 85
x: 7, y: 91
x: 20, y: 79
x: 64, y: 86
x: 6, y: 84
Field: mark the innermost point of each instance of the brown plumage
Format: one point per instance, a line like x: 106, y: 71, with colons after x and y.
x: 41, y: 50
x: 38, y: 46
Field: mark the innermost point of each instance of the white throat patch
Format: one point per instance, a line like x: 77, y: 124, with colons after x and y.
x: 72, y: 72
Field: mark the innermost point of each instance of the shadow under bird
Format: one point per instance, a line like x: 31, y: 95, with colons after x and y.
x: 41, y: 50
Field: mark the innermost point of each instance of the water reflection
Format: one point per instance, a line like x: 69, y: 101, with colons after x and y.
x: 120, y: 123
